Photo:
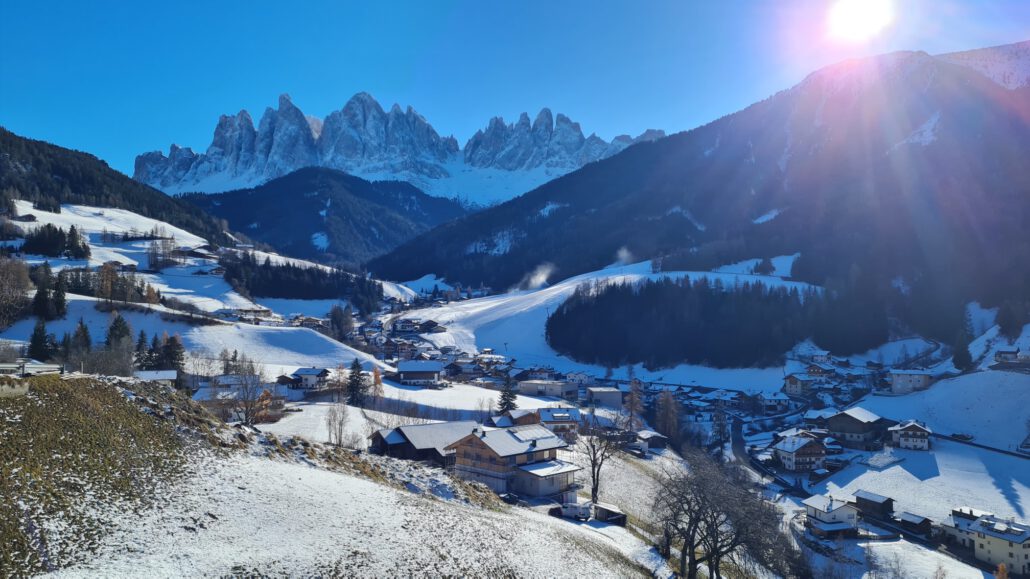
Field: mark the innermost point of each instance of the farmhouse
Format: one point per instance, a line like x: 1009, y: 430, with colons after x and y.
x: 419, y: 372
x: 915, y: 523
x: 856, y: 428
x: 911, y: 435
x: 521, y: 459
x: 798, y: 384
x: 312, y: 378
x: 800, y: 453
x: 561, y: 421
x: 553, y: 388
x: 829, y: 517
x: 906, y: 381
x: 774, y: 402
x: 421, y: 441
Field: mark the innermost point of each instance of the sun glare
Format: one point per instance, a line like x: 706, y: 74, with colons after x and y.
x: 858, y: 20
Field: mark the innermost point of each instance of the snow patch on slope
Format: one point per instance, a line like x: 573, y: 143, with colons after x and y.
x: 767, y: 217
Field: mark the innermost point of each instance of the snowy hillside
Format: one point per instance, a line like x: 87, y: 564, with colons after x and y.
x: 992, y: 406
x: 1007, y: 65
x: 513, y: 324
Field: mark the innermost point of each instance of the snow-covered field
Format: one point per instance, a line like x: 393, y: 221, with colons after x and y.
x: 290, y: 307
x: 931, y: 483
x: 248, y: 515
x: 782, y: 265
x: 993, y: 406
x: 513, y: 324
x: 894, y: 352
x: 307, y: 420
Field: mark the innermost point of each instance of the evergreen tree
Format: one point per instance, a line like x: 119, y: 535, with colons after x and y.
x: 141, y: 354
x: 961, y: 357
x: 39, y: 344
x: 42, y: 306
x: 356, y: 386
x: 82, y: 342
x: 508, y: 399
x: 154, y: 354
x: 118, y: 332
x: 60, y: 297
x: 173, y: 354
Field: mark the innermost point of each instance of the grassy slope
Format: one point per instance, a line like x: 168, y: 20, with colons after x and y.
x: 66, y: 448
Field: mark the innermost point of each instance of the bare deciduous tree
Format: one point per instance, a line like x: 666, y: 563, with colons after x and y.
x: 597, y: 444
x: 250, y: 384
x: 336, y: 423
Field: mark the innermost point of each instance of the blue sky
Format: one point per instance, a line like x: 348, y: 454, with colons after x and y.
x: 119, y: 78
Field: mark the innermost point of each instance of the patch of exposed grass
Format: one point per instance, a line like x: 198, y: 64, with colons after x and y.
x: 69, y: 449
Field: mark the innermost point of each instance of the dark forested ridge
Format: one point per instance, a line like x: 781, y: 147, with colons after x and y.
x: 358, y: 219
x: 903, y: 167
x: 49, y: 175
x: 264, y: 279
x: 668, y: 322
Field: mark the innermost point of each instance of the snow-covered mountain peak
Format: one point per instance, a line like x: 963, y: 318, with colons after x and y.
x: 498, y: 162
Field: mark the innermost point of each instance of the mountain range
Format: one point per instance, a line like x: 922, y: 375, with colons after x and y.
x: 363, y: 139
x: 331, y: 216
x: 904, y: 167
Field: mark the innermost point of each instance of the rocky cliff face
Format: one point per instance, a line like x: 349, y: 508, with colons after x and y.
x: 363, y: 139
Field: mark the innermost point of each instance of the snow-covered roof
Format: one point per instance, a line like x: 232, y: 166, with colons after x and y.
x: 824, y: 503
x: 391, y: 435
x: 774, y: 396
x: 310, y: 371
x: 817, y: 414
x: 558, y: 414
x: 649, y: 434
x: 420, y: 366
x: 861, y: 414
x: 549, y: 468
x: 908, y: 517
x: 1008, y: 530
x: 156, y: 374
x: 439, y: 435
x: 912, y: 423
x: 871, y: 497
x: 521, y: 439
x: 602, y: 389
x: 911, y: 372
x: 793, y: 443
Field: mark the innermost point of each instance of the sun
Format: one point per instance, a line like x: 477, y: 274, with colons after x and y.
x: 858, y: 20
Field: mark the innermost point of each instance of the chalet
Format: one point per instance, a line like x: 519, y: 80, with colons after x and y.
x: 1007, y: 355
x: 722, y: 398
x: 553, y: 388
x: 579, y: 378
x: 162, y: 377
x: 419, y: 372
x: 915, y: 523
x: 874, y: 505
x: 312, y: 378
x: 561, y: 421
x: 798, y: 384
x: 522, y: 460
x: 911, y: 435
x: 829, y: 517
x: 999, y: 540
x: 604, y: 396
x: 511, y: 418
x: 906, y: 381
x: 774, y: 402
x: 431, y: 327
x: 857, y: 428
x: 821, y: 356
x: 421, y: 441
x: 820, y: 369
x: 817, y: 418
x: 800, y: 453
x: 406, y: 326
x: 539, y: 373
x: 652, y: 439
